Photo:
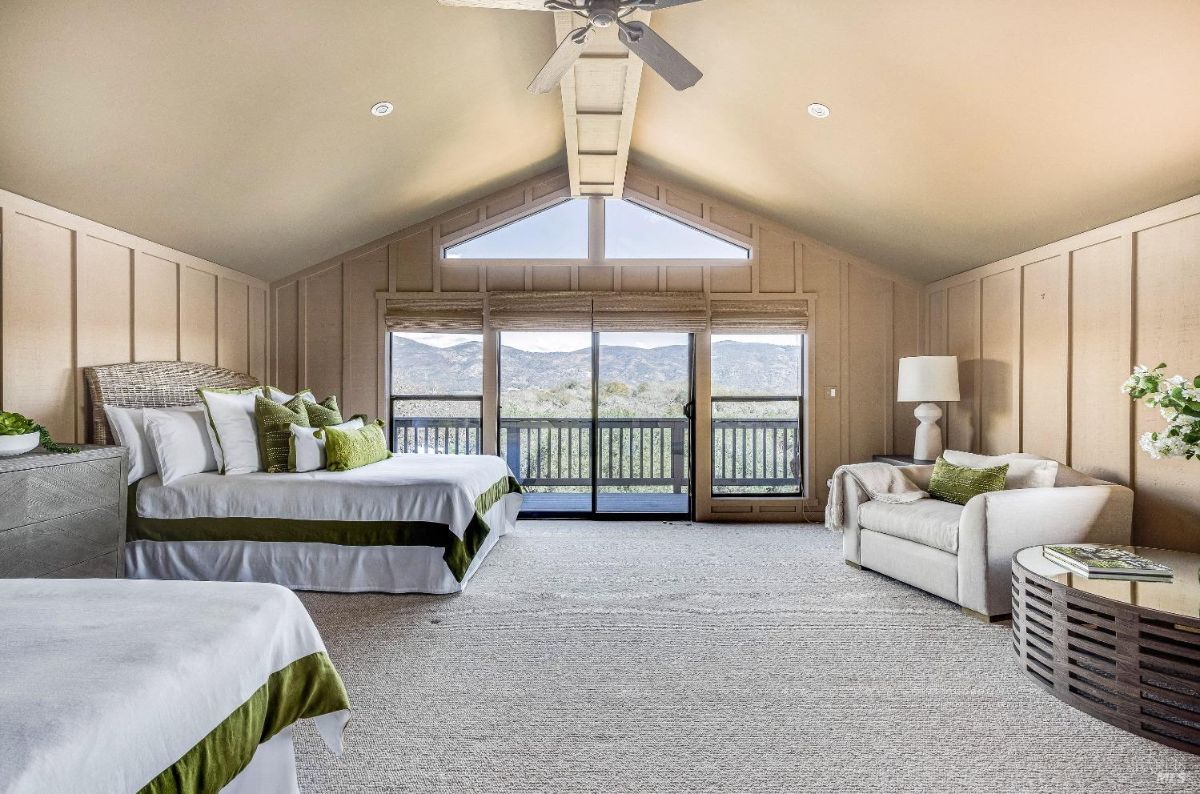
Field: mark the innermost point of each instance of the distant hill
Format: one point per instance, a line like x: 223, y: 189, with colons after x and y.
x: 747, y: 368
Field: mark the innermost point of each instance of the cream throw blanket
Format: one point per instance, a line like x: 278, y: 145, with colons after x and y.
x: 882, y: 482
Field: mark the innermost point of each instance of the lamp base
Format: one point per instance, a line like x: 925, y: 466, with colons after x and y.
x: 928, y: 443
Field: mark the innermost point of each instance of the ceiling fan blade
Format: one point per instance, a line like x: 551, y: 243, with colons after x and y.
x: 512, y: 5
x: 659, y: 56
x: 657, y: 5
x: 562, y: 60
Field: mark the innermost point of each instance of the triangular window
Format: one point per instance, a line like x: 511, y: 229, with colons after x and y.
x: 558, y: 232
x: 633, y: 232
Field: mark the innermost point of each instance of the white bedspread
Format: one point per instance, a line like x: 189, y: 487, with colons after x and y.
x: 435, y: 488
x: 106, y: 683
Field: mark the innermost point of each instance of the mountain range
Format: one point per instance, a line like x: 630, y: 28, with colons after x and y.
x: 738, y: 367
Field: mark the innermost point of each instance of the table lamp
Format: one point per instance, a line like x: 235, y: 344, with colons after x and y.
x: 928, y: 380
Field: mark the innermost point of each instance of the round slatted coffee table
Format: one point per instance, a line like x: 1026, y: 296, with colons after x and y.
x: 1125, y: 652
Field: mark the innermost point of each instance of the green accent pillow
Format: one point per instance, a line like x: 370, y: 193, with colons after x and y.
x: 274, y: 423
x: 958, y: 484
x: 350, y: 449
x: 324, y: 413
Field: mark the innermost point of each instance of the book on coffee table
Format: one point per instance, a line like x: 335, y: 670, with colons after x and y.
x: 1107, y: 562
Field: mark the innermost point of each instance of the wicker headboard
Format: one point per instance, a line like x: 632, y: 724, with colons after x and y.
x: 150, y: 384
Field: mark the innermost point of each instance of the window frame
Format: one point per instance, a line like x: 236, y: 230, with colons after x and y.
x: 394, y: 399
x: 444, y: 249
x: 802, y: 428
x: 747, y: 247
x: 596, y: 240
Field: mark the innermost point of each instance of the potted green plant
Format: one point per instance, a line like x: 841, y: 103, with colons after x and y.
x: 19, y: 434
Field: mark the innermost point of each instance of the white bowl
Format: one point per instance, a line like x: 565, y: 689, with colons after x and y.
x: 18, y: 445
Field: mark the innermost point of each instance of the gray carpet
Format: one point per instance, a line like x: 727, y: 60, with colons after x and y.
x: 593, y: 656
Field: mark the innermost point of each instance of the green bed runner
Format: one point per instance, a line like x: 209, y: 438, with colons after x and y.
x: 308, y: 687
x: 459, y: 552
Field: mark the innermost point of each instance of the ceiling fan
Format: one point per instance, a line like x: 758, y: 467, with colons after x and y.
x: 643, y: 42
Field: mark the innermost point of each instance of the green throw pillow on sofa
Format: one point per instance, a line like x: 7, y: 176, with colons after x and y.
x: 350, y: 449
x: 324, y: 413
x: 958, y: 484
x: 274, y: 424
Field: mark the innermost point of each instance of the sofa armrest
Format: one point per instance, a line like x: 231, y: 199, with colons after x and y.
x: 853, y: 497
x: 996, y: 525
x: 919, y: 475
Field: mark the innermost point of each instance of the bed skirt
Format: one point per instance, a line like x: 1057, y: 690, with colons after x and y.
x: 272, y: 770
x: 325, y: 567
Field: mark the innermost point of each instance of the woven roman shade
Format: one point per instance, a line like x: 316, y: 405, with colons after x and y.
x: 547, y: 311
x: 449, y: 314
x: 675, y: 312
x: 782, y: 316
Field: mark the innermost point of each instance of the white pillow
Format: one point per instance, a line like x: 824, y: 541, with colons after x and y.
x: 129, y: 431
x: 180, y: 442
x: 1024, y: 470
x: 230, y: 416
x: 282, y: 397
x: 308, y: 451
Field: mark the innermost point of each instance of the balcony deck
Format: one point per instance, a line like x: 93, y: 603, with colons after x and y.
x: 748, y: 456
x: 606, y: 503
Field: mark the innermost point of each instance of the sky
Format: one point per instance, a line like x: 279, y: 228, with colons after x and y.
x: 563, y: 341
x: 630, y: 232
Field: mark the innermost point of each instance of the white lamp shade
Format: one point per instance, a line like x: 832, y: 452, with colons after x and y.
x: 928, y: 379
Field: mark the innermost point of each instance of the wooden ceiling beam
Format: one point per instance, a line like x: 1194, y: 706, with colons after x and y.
x: 599, y: 96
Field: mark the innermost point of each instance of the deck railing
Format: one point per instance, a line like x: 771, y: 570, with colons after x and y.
x: 629, y: 452
x: 756, y: 452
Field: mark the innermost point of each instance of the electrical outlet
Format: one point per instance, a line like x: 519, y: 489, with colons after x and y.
x: 832, y: 392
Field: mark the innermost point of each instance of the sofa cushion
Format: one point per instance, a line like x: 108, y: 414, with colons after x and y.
x: 1025, y: 470
x: 929, y: 522
x: 961, y: 484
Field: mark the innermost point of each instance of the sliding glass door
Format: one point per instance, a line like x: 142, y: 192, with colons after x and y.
x: 546, y: 411
x: 643, y: 399
x: 598, y: 423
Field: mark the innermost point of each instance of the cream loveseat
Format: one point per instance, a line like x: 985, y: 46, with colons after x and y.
x: 963, y: 553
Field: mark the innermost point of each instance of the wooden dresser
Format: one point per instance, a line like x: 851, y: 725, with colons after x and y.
x: 62, y: 515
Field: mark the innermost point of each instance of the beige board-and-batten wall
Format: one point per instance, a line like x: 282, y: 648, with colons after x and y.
x: 1047, y: 337
x: 77, y: 293
x: 327, y: 320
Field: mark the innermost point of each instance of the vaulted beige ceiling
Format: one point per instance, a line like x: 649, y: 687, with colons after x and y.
x: 241, y: 131
x: 961, y: 131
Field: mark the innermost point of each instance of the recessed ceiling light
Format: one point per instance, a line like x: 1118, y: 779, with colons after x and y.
x: 818, y: 111
x: 381, y: 108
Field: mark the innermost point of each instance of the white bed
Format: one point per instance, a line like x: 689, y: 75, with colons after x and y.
x: 158, y: 687
x: 412, y: 523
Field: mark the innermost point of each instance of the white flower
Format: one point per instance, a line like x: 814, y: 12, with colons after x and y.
x: 1171, y: 395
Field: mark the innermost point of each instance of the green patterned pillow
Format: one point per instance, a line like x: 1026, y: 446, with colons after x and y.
x: 958, y: 484
x: 274, y: 423
x: 350, y: 449
x: 324, y: 413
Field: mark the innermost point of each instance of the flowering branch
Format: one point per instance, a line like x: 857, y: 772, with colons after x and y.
x: 1178, y: 400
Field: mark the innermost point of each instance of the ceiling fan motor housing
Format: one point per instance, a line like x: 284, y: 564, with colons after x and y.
x: 603, y: 13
